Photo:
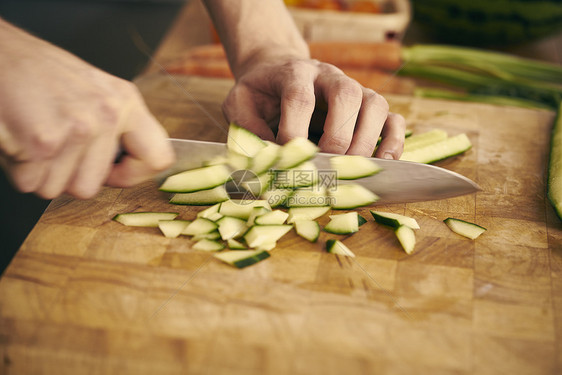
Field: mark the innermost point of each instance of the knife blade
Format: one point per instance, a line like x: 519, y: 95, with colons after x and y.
x: 398, y: 182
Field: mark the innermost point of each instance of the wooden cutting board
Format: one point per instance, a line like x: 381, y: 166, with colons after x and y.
x: 87, y: 295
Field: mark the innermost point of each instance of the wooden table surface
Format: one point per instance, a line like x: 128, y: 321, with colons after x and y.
x: 86, y: 295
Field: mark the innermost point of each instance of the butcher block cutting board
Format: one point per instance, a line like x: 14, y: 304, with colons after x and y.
x: 87, y: 295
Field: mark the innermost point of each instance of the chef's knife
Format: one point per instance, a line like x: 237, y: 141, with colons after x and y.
x: 398, y: 182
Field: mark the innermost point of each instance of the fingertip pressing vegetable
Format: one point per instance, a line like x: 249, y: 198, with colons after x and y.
x: 144, y: 219
x: 338, y: 247
x: 464, y: 228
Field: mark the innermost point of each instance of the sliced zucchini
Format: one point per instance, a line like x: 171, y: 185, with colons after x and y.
x: 236, y: 245
x: 216, y: 160
x: 268, y: 246
x: 351, y: 167
x: 231, y: 227
x: 394, y: 220
x: 257, y: 186
x: 199, y: 226
x: 202, y: 197
x: 237, y: 161
x: 306, y: 174
x: 343, y: 223
x: 214, y: 235
x: 554, y: 184
x: 313, y: 196
x: 406, y: 237
x: 265, y: 158
x: 338, y: 247
x: 208, y: 245
x: 210, y: 211
x: 243, y: 142
x: 241, y: 208
x: 305, y: 213
x: 276, y: 197
x: 172, y: 228
x: 242, y: 258
x: 440, y: 150
x: 144, y: 219
x: 256, y: 211
x: 275, y: 217
x: 259, y: 235
x: 295, y: 152
x: 308, y: 229
x: 464, y: 228
x: 348, y: 196
x: 424, y: 139
x: 361, y: 220
x: 196, y: 179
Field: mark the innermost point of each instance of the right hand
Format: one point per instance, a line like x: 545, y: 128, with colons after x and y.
x: 62, y: 122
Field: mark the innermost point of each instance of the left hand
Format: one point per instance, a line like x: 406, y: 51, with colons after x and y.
x: 290, y: 89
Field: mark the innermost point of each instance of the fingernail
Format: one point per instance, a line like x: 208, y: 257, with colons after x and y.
x: 388, y: 155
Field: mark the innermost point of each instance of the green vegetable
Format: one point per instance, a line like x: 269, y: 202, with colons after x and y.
x: 554, y: 186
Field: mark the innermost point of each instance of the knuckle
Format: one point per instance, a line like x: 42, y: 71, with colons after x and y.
x: 300, y: 97
x: 45, y: 144
x: 348, y: 90
x: 364, y: 146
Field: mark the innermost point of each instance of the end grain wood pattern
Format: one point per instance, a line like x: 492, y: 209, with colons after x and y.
x: 86, y: 295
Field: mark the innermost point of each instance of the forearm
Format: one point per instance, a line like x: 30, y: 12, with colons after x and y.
x: 254, y: 29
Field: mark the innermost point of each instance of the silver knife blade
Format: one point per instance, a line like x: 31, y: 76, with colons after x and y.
x: 398, y: 182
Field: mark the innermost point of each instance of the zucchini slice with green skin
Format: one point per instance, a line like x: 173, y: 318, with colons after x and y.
x: 314, y: 196
x: 338, y: 247
x: 242, y: 258
x: 265, y: 159
x: 305, y: 213
x: 349, y: 196
x: 352, y: 167
x: 201, y: 198
x: 259, y: 235
x: 172, y: 228
x: 231, y: 227
x: 210, y: 211
x: 406, y: 237
x: 256, y: 211
x: 464, y: 228
x: 199, y: 226
x: 308, y: 229
x: 214, y: 235
x: 144, y: 219
x: 295, y: 152
x: 361, y: 220
x: 276, y: 197
x: 257, y: 186
x: 424, y: 139
x: 203, y: 178
x: 275, y: 217
x: 243, y: 142
x: 208, y: 245
x: 236, y: 245
x: 554, y: 185
x: 394, y: 220
x: 304, y: 175
x: 439, y: 150
x: 343, y: 223
x: 241, y: 208
x: 237, y: 161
